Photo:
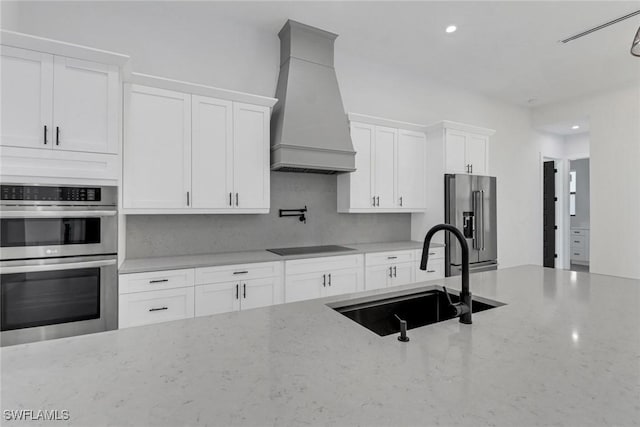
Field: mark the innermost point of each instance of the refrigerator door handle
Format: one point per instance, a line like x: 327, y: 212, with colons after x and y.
x: 476, y: 212
x: 482, y: 210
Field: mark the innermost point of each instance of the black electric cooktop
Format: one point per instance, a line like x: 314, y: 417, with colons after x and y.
x: 306, y: 250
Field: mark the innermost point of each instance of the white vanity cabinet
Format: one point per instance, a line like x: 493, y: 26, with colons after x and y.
x: 466, y: 147
x: 321, y: 277
x: 190, y: 153
x: 386, y: 269
x: 237, y: 287
x: 579, y: 245
x: 390, y: 167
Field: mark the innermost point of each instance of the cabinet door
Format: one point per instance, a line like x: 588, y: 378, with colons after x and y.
x: 410, y: 170
x: 378, y: 276
x: 217, y: 298
x: 212, y: 152
x: 157, y: 148
x: 455, y: 143
x: 258, y: 293
x: 435, y: 270
x: 27, y: 98
x: 362, y: 136
x: 383, y: 167
x: 340, y: 282
x: 403, y: 274
x: 476, y: 153
x: 85, y: 106
x: 251, y: 156
x: 303, y: 286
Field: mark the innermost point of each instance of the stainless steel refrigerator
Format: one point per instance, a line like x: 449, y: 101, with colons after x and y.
x: 470, y: 205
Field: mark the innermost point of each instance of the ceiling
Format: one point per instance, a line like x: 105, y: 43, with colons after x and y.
x: 566, y: 127
x: 506, y: 50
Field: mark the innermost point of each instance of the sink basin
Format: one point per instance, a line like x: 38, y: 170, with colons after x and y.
x: 418, y: 309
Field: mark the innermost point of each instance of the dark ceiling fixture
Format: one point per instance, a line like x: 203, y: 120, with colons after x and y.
x: 635, y: 46
x: 600, y: 27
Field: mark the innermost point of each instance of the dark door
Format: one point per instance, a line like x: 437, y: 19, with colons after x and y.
x: 549, y: 215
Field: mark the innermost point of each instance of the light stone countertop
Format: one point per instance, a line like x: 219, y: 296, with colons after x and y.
x: 565, y: 350
x: 140, y: 265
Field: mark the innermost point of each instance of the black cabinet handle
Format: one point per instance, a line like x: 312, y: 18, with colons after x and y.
x: 373, y: 202
x: 237, y: 291
x: 159, y: 309
x: 45, y: 134
x: 236, y: 199
x: 244, y: 290
x: 158, y: 281
x: 431, y: 271
x: 57, y: 135
x: 324, y: 280
x: 390, y: 271
x: 432, y: 253
x: 378, y: 200
x: 241, y: 272
x: 188, y: 201
x: 329, y: 279
x: 395, y: 271
x: 400, y: 200
x: 392, y: 257
x: 230, y: 199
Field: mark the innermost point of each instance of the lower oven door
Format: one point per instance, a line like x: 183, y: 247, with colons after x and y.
x: 55, y: 298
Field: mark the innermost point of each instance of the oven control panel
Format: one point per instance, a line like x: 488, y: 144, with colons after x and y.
x: 54, y: 194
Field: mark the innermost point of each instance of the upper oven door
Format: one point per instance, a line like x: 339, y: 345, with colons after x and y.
x: 54, y: 231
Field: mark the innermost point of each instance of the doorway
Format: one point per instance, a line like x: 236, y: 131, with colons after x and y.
x: 579, y: 212
x: 549, y: 214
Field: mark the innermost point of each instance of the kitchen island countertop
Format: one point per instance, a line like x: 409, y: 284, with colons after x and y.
x: 565, y: 350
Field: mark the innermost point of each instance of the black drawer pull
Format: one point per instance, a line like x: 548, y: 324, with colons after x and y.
x: 159, y: 309
x: 241, y: 272
x: 431, y: 271
x: 392, y: 257
x: 158, y: 281
x: 432, y: 253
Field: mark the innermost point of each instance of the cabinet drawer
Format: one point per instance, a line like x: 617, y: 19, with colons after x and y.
x: 578, y: 232
x: 435, y: 270
x: 143, y: 308
x: 434, y: 253
x: 156, y: 280
x: 229, y: 273
x: 323, y: 264
x: 578, y: 254
x: 395, y: 257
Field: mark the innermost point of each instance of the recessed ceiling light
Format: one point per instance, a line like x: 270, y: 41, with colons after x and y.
x: 451, y: 28
x: 574, y: 127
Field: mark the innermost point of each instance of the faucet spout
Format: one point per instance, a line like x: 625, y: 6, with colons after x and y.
x: 463, y: 308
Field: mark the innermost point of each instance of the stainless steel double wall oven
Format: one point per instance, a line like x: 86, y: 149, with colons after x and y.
x: 58, y: 261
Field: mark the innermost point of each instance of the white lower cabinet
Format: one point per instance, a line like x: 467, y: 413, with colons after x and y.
x: 156, y: 296
x: 237, y: 287
x: 435, y: 265
x: 321, y: 277
x: 143, y: 308
x: 385, y: 269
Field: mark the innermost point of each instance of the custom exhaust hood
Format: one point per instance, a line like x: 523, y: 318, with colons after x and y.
x: 309, y: 127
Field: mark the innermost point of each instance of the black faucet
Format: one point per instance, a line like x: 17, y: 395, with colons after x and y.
x: 462, y: 308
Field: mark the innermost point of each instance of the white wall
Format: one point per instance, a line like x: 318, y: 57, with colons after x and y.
x: 614, y: 140
x: 209, y: 50
x: 576, y: 146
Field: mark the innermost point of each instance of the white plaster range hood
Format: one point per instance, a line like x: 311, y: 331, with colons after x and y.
x: 309, y: 128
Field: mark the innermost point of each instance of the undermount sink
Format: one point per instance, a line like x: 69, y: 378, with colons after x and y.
x: 378, y: 313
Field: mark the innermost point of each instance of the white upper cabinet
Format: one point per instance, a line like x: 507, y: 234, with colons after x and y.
x: 466, y: 147
x: 157, y: 149
x: 27, y: 98
x: 390, y: 167
x: 54, y: 102
x: 212, y: 152
x: 251, y: 162
x: 85, y: 106
x: 384, y: 166
x: 410, y: 191
x: 190, y: 153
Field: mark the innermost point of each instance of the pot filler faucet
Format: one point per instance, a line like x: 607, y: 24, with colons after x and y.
x: 462, y: 308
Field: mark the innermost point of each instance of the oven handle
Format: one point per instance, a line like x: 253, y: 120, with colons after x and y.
x: 57, y: 267
x: 55, y: 214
